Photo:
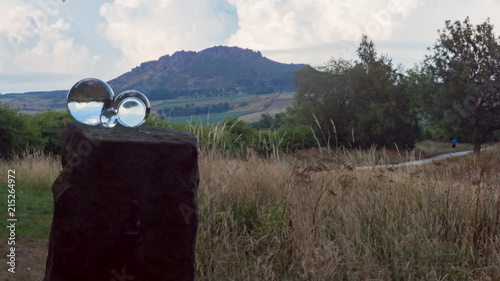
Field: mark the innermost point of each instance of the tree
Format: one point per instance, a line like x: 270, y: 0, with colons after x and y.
x: 17, y: 132
x: 357, y: 103
x: 10, y: 127
x: 269, y: 122
x: 52, y: 125
x: 322, y: 100
x: 465, y: 64
x: 265, y: 122
x: 382, y: 111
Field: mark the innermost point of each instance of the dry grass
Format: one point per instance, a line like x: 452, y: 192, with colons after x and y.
x: 34, y: 175
x: 33, y: 169
x: 306, y: 220
x: 318, y: 218
x: 356, y: 157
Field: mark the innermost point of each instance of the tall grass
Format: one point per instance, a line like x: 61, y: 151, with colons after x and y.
x: 312, y: 216
x: 219, y: 139
x: 33, y: 168
x: 34, y: 176
x: 275, y: 220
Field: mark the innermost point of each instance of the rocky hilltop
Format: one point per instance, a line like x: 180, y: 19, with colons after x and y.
x: 214, y: 71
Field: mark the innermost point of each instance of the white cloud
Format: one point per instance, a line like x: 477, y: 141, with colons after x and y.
x: 419, y: 28
x: 62, y: 25
x: 313, y: 31
x: 297, y: 24
x: 147, y: 31
x: 278, y: 28
x: 34, y: 38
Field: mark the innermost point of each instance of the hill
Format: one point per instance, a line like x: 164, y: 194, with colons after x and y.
x: 217, y: 71
x: 33, y: 102
x: 221, y: 81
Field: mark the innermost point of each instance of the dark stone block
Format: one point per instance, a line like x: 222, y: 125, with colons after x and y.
x: 125, y: 205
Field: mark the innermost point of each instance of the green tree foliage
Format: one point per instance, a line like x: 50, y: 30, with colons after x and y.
x: 51, y: 125
x: 296, y: 137
x: 12, y: 132
x: 322, y: 97
x: 268, y: 122
x: 286, y: 131
x: 419, y: 82
x: 381, y: 102
x: 465, y: 63
x: 358, y: 103
x: 238, y: 131
x: 19, y: 132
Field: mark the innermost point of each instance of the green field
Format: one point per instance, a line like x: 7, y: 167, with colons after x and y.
x: 241, y: 105
x: 210, y: 118
x: 168, y: 104
x: 33, y: 211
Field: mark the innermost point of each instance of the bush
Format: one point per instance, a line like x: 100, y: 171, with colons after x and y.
x: 17, y: 131
x: 20, y: 132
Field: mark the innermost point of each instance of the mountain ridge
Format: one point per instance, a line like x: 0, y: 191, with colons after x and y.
x: 211, y: 73
x: 218, y: 70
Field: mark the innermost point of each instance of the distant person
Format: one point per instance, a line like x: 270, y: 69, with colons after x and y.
x: 454, y: 145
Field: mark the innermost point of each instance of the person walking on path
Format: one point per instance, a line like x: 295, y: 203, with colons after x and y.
x: 454, y: 145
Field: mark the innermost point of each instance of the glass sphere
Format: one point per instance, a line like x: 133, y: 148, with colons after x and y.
x: 88, y: 98
x: 132, y: 108
x: 109, y: 118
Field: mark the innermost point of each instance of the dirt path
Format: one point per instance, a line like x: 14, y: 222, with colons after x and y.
x: 420, y: 162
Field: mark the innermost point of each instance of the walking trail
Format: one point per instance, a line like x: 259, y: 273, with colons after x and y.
x: 419, y: 162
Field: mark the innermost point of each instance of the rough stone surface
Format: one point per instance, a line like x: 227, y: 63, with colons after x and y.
x: 125, y: 205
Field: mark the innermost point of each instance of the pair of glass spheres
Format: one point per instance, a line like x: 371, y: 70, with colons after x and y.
x: 92, y: 102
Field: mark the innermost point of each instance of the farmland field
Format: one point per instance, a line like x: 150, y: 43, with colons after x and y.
x: 248, y: 108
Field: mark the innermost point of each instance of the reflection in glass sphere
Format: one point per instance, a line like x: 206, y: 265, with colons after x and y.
x: 88, y: 98
x: 132, y: 107
x: 109, y: 118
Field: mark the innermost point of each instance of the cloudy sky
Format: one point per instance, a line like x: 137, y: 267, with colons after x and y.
x: 51, y: 44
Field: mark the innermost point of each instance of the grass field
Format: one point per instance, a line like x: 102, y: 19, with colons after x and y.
x: 167, y: 104
x: 34, y: 175
x: 310, y: 216
x: 250, y: 106
x: 208, y: 119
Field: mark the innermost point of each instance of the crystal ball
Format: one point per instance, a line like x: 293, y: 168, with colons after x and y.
x: 109, y: 118
x: 132, y: 108
x: 88, y: 98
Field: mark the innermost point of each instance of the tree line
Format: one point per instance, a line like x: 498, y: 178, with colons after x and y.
x: 453, y: 93
x: 19, y: 132
x: 246, y: 86
x: 44, y: 132
x: 191, y: 109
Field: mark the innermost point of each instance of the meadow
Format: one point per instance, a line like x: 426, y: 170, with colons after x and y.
x: 310, y: 215
x: 249, y: 107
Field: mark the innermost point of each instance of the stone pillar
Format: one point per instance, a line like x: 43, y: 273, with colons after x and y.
x: 125, y: 205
